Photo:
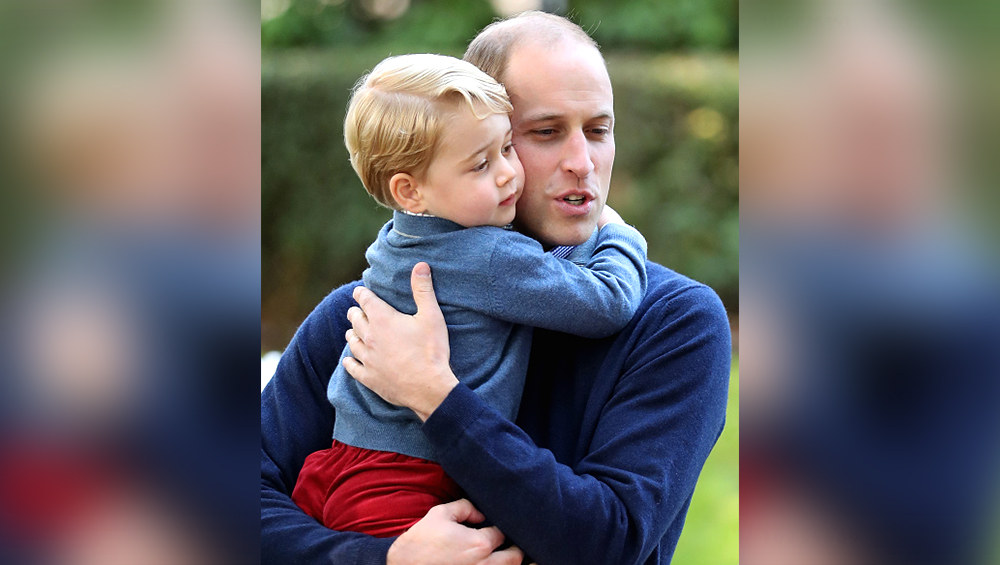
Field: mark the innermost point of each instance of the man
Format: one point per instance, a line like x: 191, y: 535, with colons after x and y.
x: 612, y: 433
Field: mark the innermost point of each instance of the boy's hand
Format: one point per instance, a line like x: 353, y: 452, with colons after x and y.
x: 403, y: 359
x: 609, y: 216
x: 441, y: 538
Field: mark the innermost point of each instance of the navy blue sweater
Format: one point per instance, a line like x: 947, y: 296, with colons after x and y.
x: 493, y: 285
x: 610, y: 438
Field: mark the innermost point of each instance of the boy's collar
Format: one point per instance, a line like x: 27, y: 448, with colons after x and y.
x: 421, y: 225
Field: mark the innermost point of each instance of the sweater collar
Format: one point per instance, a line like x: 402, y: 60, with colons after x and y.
x: 421, y: 226
x: 412, y: 225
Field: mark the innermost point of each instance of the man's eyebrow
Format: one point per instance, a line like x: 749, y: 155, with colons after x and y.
x: 605, y: 115
x: 543, y: 117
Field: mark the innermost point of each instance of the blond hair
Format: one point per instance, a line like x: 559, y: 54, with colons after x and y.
x: 491, y: 49
x: 398, y: 111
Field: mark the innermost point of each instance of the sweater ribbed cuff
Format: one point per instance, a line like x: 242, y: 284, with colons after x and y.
x: 448, y: 423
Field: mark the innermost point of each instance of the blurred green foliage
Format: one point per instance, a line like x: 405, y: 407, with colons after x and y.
x: 675, y: 177
x: 657, y: 25
x: 352, y: 23
x: 630, y: 24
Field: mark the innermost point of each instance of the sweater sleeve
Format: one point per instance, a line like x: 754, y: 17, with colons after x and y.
x: 649, y: 443
x: 295, y: 420
x: 537, y: 289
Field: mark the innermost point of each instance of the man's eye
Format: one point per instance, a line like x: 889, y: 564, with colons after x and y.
x: 481, y: 166
x: 601, y: 132
x: 544, y: 131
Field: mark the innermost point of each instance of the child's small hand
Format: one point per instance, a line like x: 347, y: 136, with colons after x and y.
x: 609, y: 216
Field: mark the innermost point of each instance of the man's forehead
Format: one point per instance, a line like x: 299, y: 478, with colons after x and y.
x: 571, y: 70
x: 550, y: 115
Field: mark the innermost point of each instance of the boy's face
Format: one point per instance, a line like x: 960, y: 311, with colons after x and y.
x: 563, y: 127
x: 475, y: 177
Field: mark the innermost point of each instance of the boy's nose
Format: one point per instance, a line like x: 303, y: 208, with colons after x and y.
x: 507, y: 172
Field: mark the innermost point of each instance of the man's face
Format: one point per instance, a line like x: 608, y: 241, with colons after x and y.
x: 563, y: 131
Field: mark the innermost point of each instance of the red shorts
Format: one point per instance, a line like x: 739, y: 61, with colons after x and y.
x: 378, y: 493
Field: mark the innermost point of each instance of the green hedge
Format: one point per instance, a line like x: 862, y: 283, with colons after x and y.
x: 630, y: 24
x: 675, y: 177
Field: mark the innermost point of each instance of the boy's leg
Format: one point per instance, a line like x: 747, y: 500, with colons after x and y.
x: 373, y: 492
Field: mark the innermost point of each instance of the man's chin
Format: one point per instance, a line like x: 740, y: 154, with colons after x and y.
x: 568, y: 234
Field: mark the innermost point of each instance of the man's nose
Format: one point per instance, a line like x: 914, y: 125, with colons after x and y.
x: 576, y: 157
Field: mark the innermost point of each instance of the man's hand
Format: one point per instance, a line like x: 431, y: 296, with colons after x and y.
x: 403, y: 359
x: 441, y: 538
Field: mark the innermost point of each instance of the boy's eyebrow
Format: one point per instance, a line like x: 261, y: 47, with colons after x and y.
x: 472, y: 154
x: 485, y: 146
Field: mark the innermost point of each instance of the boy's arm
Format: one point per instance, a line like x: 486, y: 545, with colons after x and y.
x: 534, y: 288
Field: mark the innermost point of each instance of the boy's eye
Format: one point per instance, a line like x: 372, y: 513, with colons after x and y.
x: 507, y: 148
x: 481, y: 166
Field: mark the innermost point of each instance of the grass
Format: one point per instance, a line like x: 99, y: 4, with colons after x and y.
x: 711, y: 533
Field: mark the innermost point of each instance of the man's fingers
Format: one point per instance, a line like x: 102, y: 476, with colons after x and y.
x: 462, y: 510
x: 355, y: 369
x: 358, y: 320
x: 493, y: 536
x: 371, y: 305
x: 359, y: 349
x: 510, y: 556
x: 423, y: 290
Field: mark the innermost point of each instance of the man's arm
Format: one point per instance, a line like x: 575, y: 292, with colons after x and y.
x: 296, y: 419
x: 650, y: 441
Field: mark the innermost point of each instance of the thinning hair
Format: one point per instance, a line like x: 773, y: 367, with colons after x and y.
x: 398, y: 111
x: 492, y: 48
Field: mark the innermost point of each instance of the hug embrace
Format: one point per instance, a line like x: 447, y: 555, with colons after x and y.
x: 514, y: 378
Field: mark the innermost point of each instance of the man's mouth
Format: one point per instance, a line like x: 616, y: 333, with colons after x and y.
x: 577, y: 202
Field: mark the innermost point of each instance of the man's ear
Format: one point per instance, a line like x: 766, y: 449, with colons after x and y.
x: 405, y: 190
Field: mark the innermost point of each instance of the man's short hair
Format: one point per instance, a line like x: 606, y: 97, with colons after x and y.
x: 398, y: 111
x: 492, y: 47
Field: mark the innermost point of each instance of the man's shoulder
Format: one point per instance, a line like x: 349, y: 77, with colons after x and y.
x: 665, y: 284
x: 329, y: 315
x: 673, y: 298
x: 340, y: 298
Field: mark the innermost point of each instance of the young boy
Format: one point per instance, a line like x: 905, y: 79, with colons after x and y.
x: 430, y: 138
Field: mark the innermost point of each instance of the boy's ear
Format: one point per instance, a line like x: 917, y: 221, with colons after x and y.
x: 405, y: 191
